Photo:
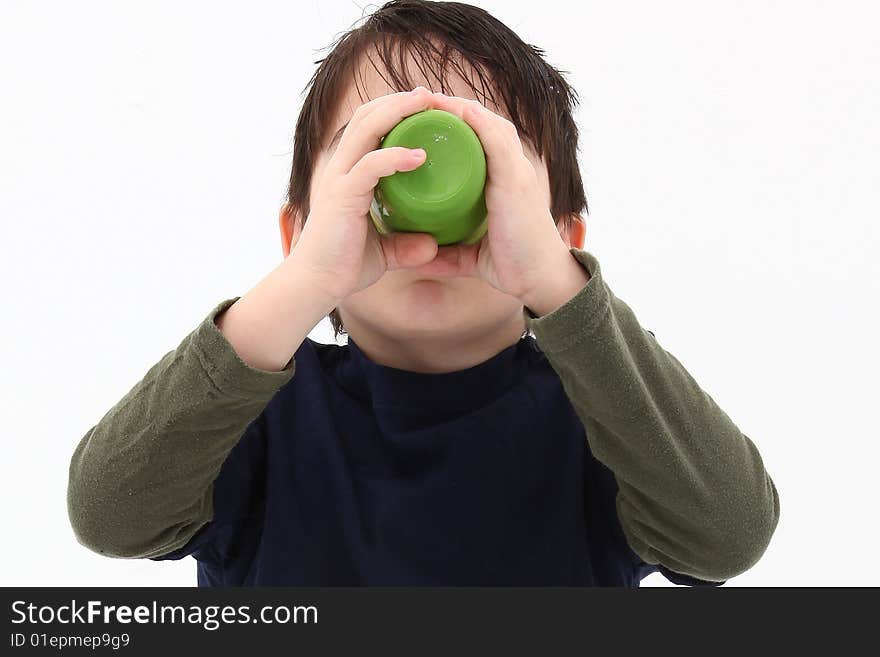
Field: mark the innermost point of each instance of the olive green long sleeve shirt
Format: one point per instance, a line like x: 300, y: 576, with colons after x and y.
x: 693, y: 496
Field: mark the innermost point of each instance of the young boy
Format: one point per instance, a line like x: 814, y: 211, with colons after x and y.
x: 498, y: 416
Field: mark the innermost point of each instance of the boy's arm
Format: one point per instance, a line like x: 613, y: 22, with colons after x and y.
x: 693, y: 492
x: 141, y: 480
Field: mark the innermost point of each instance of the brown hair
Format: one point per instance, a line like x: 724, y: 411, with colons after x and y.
x: 534, y: 94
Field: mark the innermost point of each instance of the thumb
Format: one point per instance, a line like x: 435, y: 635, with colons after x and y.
x: 404, y: 250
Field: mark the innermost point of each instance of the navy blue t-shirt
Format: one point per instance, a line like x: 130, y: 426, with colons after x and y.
x: 360, y: 474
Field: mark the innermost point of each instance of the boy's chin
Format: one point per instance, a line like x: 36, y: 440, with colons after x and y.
x: 429, y: 305
x: 429, y: 291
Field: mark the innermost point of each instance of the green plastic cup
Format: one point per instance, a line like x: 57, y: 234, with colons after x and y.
x: 445, y: 196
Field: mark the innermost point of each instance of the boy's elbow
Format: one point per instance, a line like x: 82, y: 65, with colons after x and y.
x: 746, y: 535
x: 95, y: 510
x: 93, y: 528
x: 105, y: 525
x: 733, y: 538
x: 99, y: 523
x: 89, y: 531
x: 101, y: 532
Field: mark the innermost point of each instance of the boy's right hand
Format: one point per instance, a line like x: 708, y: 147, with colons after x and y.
x: 339, y: 246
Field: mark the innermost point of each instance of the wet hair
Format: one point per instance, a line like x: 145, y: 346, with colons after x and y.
x: 439, y: 36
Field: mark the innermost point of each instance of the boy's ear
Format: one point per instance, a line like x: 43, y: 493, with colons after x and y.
x: 291, y: 227
x: 575, y: 237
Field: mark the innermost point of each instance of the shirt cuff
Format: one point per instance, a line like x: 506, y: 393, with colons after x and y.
x: 225, y: 367
x: 559, y: 330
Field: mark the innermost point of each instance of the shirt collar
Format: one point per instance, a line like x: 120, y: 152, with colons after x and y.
x: 433, y: 396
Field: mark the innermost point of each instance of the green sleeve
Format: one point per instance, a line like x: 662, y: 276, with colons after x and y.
x: 140, y: 482
x: 693, y: 492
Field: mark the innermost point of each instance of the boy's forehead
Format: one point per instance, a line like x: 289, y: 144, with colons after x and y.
x: 367, y: 84
x: 370, y: 85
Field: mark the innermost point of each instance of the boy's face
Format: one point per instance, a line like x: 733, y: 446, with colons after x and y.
x: 405, y: 305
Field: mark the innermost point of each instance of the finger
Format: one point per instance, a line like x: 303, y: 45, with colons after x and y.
x: 372, y: 121
x: 465, y: 109
x: 405, y: 250
x: 497, y: 134
x: 364, y: 175
x: 506, y: 162
x: 453, y: 104
x: 453, y: 260
x: 505, y: 158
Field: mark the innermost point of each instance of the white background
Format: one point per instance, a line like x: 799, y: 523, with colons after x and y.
x: 730, y: 151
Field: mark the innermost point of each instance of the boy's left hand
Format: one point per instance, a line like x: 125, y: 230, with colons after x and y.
x: 523, y: 253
